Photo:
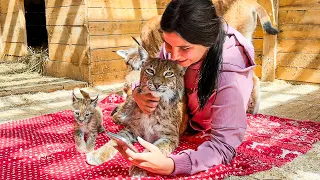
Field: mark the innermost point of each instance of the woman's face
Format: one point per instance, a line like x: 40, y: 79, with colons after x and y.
x: 181, y: 50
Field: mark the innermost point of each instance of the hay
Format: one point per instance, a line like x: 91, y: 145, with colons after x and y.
x: 35, y: 59
x: 7, y: 68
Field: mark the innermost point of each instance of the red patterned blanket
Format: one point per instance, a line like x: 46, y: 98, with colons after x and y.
x: 43, y: 147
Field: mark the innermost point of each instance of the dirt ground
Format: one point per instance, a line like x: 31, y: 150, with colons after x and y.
x: 279, y: 98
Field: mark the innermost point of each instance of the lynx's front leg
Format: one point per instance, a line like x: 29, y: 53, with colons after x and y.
x: 79, y: 141
x: 91, y: 141
x: 107, y: 151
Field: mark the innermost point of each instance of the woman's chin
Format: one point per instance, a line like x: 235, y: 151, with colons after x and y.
x: 184, y: 63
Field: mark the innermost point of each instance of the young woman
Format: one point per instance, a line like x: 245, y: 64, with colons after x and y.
x: 218, y: 82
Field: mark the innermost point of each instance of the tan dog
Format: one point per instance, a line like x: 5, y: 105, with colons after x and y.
x: 239, y: 14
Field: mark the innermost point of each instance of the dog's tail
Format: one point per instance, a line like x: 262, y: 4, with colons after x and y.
x: 265, y: 20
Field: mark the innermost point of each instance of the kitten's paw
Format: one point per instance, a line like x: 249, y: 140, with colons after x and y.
x: 82, y: 149
x: 137, y: 172
x: 92, y: 158
x: 101, y: 155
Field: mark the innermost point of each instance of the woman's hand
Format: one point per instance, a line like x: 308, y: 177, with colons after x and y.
x: 146, y: 102
x: 153, y: 161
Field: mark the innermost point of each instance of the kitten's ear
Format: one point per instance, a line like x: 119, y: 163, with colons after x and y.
x: 143, y: 54
x: 84, y: 94
x: 94, y: 101
x: 123, y: 53
x: 135, y: 40
x: 74, y: 98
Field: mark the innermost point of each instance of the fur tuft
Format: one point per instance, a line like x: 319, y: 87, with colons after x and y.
x: 269, y: 28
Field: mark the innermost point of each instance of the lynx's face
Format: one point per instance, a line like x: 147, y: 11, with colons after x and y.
x: 83, y: 109
x: 134, y: 57
x: 164, y: 78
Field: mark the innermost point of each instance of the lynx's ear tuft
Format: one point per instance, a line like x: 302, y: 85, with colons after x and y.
x: 136, y: 40
x: 84, y: 94
x: 94, y: 101
x: 74, y: 98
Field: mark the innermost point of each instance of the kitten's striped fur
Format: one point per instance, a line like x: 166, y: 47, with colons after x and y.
x: 87, y: 121
x: 134, y: 57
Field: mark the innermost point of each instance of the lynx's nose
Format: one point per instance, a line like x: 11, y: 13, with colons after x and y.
x: 156, y: 85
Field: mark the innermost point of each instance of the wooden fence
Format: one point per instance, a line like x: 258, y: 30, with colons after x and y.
x: 83, y: 35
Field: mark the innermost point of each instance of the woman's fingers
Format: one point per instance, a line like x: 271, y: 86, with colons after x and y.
x: 147, y: 145
x: 137, y: 157
x: 152, y: 104
x: 149, y: 106
x: 122, y: 151
x: 150, y: 97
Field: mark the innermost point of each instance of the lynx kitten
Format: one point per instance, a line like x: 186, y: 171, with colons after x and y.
x: 134, y: 57
x: 87, y: 121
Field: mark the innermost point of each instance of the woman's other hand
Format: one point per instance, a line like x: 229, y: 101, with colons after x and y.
x: 146, y: 101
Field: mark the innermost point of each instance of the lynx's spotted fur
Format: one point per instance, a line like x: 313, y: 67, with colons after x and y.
x: 164, y: 78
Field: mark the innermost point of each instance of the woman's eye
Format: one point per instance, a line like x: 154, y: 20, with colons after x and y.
x: 150, y: 71
x: 76, y: 113
x: 169, y: 74
x: 87, y: 114
x: 185, y: 48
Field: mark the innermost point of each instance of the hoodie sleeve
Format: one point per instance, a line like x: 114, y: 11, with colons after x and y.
x: 227, y: 113
x: 163, y: 53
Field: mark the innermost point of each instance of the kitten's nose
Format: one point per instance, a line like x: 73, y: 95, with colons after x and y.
x: 156, y: 85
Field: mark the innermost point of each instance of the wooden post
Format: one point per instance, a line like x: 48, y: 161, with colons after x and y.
x: 1, y: 43
x: 270, y: 42
x: 22, y: 19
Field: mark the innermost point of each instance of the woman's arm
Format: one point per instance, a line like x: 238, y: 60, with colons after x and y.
x: 228, y: 114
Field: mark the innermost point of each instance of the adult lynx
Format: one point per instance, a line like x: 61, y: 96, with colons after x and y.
x: 163, y: 78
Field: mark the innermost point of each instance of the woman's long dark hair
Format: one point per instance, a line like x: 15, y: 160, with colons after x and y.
x: 196, y: 21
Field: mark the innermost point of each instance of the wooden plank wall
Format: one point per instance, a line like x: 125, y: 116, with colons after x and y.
x: 259, y: 37
x: 257, y: 41
x: 13, y: 30
x: 298, y: 56
x: 111, y: 25
x: 67, y: 26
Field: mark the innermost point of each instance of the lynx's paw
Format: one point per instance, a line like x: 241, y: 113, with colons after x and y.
x: 93, y: 158
x: 82, y: 149
x: 137, y: 172
x: 101, y: 155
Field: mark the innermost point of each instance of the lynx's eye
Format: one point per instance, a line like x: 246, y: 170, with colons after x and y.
x: 77, y: 113
x: 149, y: 71
x: 168, y: 74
